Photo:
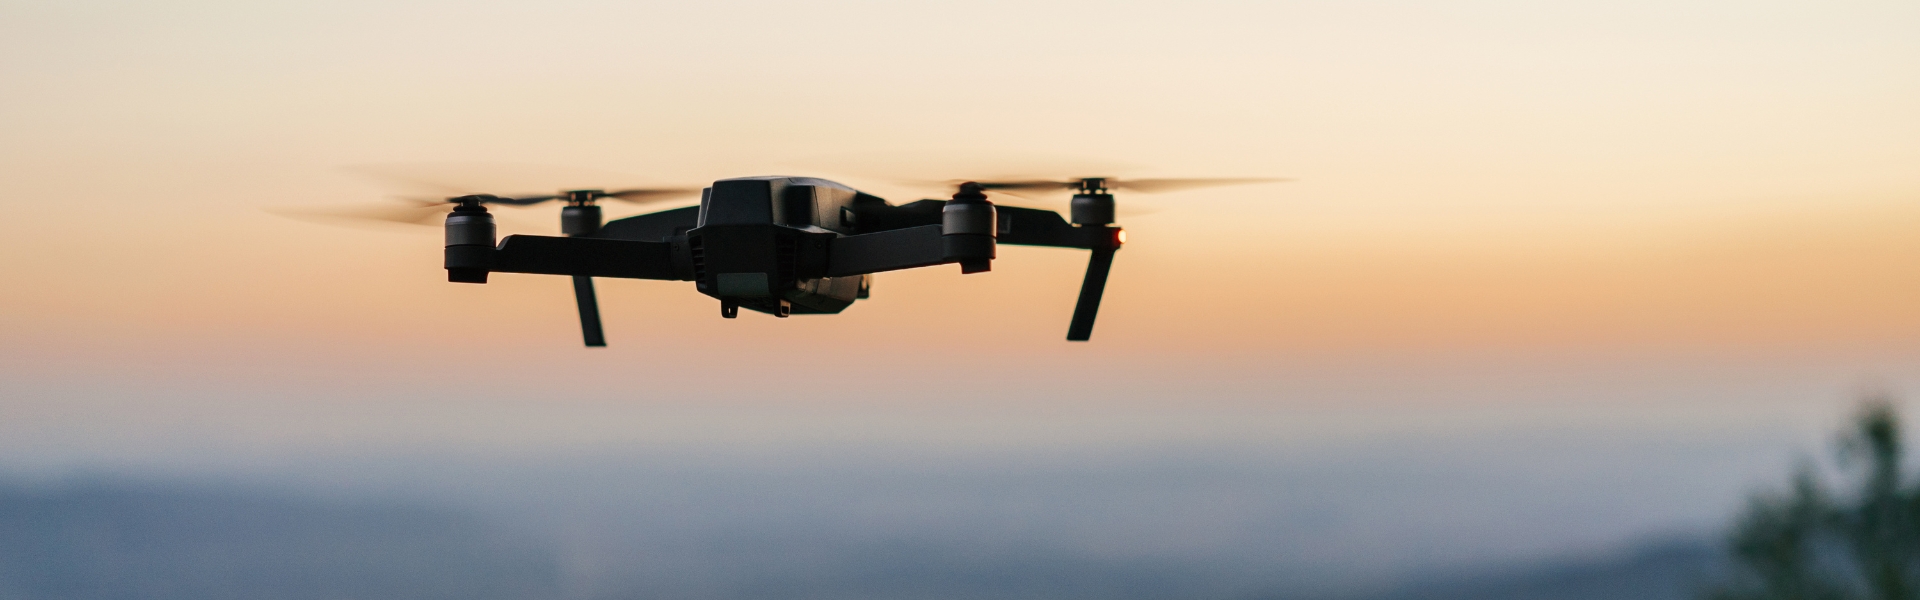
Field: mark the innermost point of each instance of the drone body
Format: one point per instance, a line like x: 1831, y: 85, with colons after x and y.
x: 782, y: 245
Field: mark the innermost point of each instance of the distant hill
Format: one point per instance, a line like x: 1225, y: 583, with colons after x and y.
x: 109, y: 542
x: 1672, y: 570
x: 112, y: 541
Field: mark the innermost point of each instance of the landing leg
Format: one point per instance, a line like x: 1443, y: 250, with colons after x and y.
x: 1098, y: 264
x: 589, y: 311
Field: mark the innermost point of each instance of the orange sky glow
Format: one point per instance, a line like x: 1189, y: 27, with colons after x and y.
x: 1475, y: 183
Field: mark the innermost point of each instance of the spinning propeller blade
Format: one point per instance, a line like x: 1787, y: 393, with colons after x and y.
x: 644, y: 195
x: 445, y: 182
x: 1041, y: 189
x: 1144, y: 186
x: 416, y: 211
x: 1155, y: 186
x: 426, y: 211
x: 522, y: 200
x: 636, y: 196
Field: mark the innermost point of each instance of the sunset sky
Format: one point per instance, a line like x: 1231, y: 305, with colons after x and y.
x: 1625, y: 220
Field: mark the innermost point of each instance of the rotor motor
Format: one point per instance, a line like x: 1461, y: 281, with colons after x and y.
x: 580, y: 217
x: 470, y: 235
x: 968, y: 226
x: 1092, y: 204
x: 580, y: 220
x: 1092, y: 209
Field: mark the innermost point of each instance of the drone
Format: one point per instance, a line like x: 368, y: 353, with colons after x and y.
x: 790, y: 245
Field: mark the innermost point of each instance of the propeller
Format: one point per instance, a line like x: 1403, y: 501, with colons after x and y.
x: 435, y: 187
x: 1038, y: 189
x: 416, y: 211
x: 1096, y: 185
x: 636, y: 196
x: 428, y: 211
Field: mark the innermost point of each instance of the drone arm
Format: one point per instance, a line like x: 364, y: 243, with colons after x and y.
x: 1035, y: 227
x: 651, y: 227
x: 1016, y: 225
x: 590, y: 257
x: 890, y: 250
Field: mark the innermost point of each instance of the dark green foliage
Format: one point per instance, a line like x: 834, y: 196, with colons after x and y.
x: 1810, y: 543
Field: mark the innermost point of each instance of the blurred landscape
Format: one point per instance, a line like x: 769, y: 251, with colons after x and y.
x: 1518, y: 511
x: 105, y: 539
